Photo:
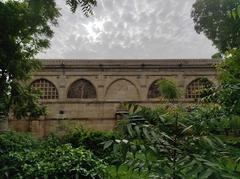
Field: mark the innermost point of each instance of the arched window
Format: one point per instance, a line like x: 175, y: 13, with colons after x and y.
x: 195, y: 87
x: 82, y: 89
x: 154, y: 91
x: 49, y: 91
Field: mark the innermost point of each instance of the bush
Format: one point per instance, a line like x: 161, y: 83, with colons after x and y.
x: 90, y: 140
x: 178, y: 143
x: 25, y: 157
x: 12, y: 141
x: 61, y: 162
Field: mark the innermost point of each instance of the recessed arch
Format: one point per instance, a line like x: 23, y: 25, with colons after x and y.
x: 194, y: 88
x: 122, y: 90
x: 82, y: 89
x: 153, y: 90
x: 48, y: 89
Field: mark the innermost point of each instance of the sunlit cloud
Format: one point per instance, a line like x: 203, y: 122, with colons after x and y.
x: 129, y: 29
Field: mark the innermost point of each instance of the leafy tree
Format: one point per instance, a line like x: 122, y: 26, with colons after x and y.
x: 176, y: 144
x: 25, y: 30
x: 211, y: 17
x: 228, y: 93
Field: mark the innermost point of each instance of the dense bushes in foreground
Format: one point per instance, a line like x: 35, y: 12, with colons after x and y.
x: 165, y: 142
x: 160, y: 143
x: 24, y: 157
x: 175, y: 142
x: 91, y: 140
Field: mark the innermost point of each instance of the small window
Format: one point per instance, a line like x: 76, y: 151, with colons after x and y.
x: 195, y: 87
x: 49, y: 91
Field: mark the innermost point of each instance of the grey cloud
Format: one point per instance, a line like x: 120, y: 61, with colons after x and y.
x: 129, y: 29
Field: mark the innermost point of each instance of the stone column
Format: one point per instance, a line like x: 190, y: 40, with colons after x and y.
x: 143, y: 87
x: 180, y: 84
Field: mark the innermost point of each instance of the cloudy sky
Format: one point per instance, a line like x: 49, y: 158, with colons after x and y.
x: 129, y: 29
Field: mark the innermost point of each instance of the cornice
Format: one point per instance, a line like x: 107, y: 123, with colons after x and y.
x: 128, y: 64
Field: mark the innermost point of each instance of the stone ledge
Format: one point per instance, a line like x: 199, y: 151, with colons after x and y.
x: 129, y: 64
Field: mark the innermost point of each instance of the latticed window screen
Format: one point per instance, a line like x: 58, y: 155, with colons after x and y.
x: 49, y: 91
x: 82, y: 89
x: 195, y: 87
x: 153, y: 91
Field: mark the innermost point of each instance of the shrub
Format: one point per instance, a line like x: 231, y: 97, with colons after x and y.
x: 22, y: 156
x: 177, y: 144
x: 90, y: 140
x: 12, y: 141
x: 60, y: 162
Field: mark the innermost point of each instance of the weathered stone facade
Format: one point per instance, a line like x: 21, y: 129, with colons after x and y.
x: 103, y: 85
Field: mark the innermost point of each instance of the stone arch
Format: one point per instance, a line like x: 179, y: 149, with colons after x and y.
x: 48, y: 89
x: 82, y: 89
x: 122, y: 90
x: 194, y: 88
x: 153, y: 90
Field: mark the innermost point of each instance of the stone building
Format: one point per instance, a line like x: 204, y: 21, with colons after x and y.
x: 89, y: 92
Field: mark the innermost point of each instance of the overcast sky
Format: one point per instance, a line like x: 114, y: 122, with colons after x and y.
x: 129, y: 29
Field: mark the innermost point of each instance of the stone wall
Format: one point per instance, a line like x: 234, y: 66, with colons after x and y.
x: 115, y: 81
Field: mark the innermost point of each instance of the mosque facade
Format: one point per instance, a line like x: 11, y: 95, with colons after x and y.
x: 90, y: 93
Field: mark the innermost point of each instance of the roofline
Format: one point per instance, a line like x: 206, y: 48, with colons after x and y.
x: 131, y: 63
x: 131, y: 59
x: 135, y: 61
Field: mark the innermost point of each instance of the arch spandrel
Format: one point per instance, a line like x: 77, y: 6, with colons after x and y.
x: 122, y: 90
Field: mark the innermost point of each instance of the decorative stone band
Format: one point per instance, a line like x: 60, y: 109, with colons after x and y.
x: 129, y: 64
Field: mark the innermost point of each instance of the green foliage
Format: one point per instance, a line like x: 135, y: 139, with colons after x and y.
x: 125, y: 173
x: 90, y: 140
x: 179, y: 143
x: 25, y: 102
x: 227, y: 95
x: 13, y: 142
x: 86, y: 5
x: 229, y: 68
x: 233, y: 141
x: 22, y: 156
x: 234, y: 124
x: 217, y: 56
x: 168, y: 89
x: 24, y: 31
x: 211, y: 17
x: 235, y: 13
x: 60, y: 162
